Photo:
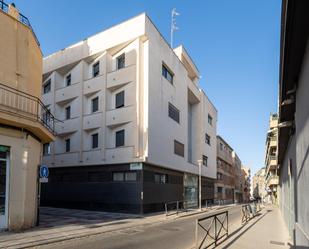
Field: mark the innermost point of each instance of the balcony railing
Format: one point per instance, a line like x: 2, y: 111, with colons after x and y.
x: 5, y: 8
x: 26, y: 106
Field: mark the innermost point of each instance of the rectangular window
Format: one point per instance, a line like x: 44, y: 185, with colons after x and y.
x: 118, y: 176
x: 160, y: 178
x: 209, y: 119
x: 219, y: 176
x: 124, y: 176
x: 207, y: 139
x: 120, y: 61
x: 119, y: 100
x: 221, y: 146
x: 95, y: 104
x: 68, y: 80
x: 219, y: 189
x: 67, y: 145
x: 179, y: 148
x: 120, y: 138
x: 95, y: 140
x: 167, y: 73
x: 173, y: 112
x: 96, y: 69
x: 205, y: 160
x: 130, y: 176
x: 46, y: 149
x: 47, y: 87
x: 68, y: 112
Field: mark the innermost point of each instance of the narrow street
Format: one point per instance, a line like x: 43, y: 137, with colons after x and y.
x: 177, y: 234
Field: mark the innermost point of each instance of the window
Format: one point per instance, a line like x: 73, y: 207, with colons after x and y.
x: 179, y: 148
x: 207, y: 139
x: 95, y: 104
x: 124, y: 176
x: 130, y: 176
x: 68, y: 80
x: 46, y: 149
x: 167, y: 74
x: 209, y: 119
x: 96, y: 69
x: 160, y: 178
x: 118, y: 176
x: 67, y: 145
x: 205, y: 160
x: 68, y: 112
x: 46, y: 115
x: 119, y: 100
x: 220, y: 190
x: 219, y: 176
x: 95, y: 140
x: 120, y: 138
x: 47, y: 87
x: 221, y: 146
x: 120, y: 61
x: 173, y: 112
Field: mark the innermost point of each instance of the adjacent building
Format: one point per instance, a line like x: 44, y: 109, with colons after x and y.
x: 227, y: 173
x: 293, y: 124
x: 134, y: 123
x: 259, y: 186
x: 246, y: 183
x: 25, y: 123
x: 271, y: 165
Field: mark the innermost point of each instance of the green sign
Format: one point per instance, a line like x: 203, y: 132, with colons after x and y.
x: 4, y: 148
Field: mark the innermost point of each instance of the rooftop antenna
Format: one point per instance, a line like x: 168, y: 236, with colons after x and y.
x: 173, y: 24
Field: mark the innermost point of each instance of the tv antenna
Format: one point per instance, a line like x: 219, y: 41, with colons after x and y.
x: 173, y: 24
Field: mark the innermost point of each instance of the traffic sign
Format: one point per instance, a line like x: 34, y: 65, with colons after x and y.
x: 44, y: 172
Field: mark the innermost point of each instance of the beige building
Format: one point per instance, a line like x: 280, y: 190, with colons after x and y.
x: 258, y: 185
x: 24, y: 122
x: 246, y: 183
x: 271, y: 165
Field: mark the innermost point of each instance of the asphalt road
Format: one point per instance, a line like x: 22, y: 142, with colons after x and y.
x: 175, y: 234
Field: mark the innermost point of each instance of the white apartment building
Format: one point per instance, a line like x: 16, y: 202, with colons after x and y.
x: 134, y: 123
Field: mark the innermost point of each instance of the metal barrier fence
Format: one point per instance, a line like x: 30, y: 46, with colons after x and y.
x: 218, y: 223
x: 174, y: 207
x: 249, y: 211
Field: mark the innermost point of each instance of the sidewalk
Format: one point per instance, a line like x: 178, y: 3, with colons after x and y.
x: 64, y: 224
x: 267, y: 230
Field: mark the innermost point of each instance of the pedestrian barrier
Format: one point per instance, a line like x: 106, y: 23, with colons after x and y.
x: 174, y: 207
x: 215, y: 231
x: 249, y: 211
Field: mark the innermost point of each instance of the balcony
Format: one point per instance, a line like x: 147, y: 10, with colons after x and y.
x: 119, y: 154
x: 26, y: 111
x: 92, y: 121
x: 272, y: 180
x: 272, y: 162
x: 120, y: 77
x: 120, y: 116
x: 9, y: 9
x: 68, y: 126
x: 67, y: 93
x: 94, y: 85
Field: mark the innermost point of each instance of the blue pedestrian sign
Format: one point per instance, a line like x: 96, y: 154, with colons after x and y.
x: 44, y: 172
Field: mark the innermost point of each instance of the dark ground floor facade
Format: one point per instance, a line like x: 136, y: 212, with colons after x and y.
x: 130, y: 188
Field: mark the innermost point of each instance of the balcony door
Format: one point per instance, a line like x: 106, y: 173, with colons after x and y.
x: 4, y: 186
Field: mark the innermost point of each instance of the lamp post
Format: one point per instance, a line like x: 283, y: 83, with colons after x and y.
x: 200, y: 183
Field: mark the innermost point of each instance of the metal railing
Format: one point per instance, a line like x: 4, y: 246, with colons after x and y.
x: 23, y: 19
x: 25, y: 105
x: 175, y: 207
x: 250, y: 210
x: 215, y: 231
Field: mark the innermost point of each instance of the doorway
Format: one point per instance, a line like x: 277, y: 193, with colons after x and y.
x: 4, y: 186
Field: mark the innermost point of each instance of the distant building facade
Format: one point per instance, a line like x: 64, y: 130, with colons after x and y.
x: 246, y: 183
x: 271, y: 164
x: 135, y: 123
x: 25, y: 123
x: 259, y: 186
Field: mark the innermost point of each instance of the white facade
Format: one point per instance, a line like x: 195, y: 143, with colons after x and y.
x: 149, y: 131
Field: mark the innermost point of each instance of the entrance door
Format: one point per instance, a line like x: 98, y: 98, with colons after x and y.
x: 4, y: 186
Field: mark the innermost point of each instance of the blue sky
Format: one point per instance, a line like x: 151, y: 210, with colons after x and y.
x: 235, y: 45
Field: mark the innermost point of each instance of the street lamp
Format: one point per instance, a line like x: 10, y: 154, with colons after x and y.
x: 200, y: 183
